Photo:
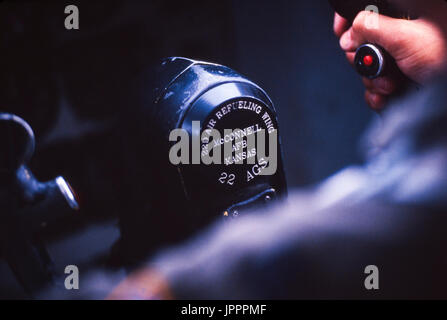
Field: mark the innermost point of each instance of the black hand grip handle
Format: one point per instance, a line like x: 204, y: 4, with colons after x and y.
x: 26, y: 204
x: 16, y: 142
x: 16, y: 149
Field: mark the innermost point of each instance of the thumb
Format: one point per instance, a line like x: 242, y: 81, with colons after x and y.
x: 369, y: 27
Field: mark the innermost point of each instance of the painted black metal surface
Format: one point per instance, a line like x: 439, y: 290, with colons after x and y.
x: 184, y: 197
x: 27, y: 205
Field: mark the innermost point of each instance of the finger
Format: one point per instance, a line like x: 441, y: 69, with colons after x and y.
x: 340, y: 25
x: 371, y: 27
x: 346, y: 42
x: 383, y: 85
x: 375, y: 101
x: 350, y: 56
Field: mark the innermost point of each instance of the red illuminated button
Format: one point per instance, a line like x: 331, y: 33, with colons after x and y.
x: 368, y: 60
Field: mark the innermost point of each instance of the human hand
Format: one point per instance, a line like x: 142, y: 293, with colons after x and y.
x: 418, y: 46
